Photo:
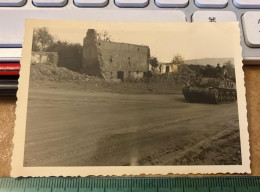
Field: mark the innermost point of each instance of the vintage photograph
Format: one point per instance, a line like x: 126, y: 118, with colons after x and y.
x: 122, y: 97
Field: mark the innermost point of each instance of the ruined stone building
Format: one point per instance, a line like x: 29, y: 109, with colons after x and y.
x: 167, y: 68
x: 44, y: 57
x: 113, y: 60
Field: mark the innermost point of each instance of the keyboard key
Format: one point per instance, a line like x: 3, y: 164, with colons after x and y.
x: 10, y: 54
x: 211, y: 3
x: 91, y: 3
x: 12, y: 3
x: 12, y: 36
x: 171, y: 3
x: 131, y: 3
x: 247, y: 4
x: 251, y: 27
x: 213, y: 16
x: 50, y: 3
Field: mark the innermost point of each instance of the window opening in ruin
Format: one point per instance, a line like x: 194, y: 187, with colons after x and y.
x: 167, y: 69
x: 129, y: 62
x: 99, y: 43
x: 111, y: 60
x: 120, y: 75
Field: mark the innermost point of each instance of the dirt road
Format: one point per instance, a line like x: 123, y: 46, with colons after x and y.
x: 76, y: 128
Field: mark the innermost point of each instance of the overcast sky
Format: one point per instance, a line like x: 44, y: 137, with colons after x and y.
x: 189, y: 41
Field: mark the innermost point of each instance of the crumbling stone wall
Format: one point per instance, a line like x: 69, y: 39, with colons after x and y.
x: 167, y: 68
x: 90, y: 61
x: 44, y: 57
x: 114, y: 60
x: 128, y: 59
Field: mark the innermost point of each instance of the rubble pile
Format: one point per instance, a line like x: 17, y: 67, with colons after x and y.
x: 164, y: 78
x: 48, y: 71
x: 47, y: 74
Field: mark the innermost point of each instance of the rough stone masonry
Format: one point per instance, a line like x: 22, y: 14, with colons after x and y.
x: 110, y: 60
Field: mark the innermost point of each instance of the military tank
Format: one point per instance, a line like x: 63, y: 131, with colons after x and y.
x: 210, y: 90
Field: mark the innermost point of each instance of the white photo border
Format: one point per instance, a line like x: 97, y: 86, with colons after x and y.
x: 18, y: 168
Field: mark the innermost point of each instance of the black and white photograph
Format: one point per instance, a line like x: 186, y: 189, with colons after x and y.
x: 113, y: 96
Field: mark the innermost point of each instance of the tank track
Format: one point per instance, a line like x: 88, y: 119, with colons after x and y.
x: 215, y: 96
x: 220, y: 95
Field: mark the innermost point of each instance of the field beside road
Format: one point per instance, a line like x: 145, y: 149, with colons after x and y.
x: 81, y: 127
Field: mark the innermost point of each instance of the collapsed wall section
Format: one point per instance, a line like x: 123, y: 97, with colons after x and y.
x: 44, y: 57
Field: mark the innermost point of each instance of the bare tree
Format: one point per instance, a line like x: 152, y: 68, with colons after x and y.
x: 185, y: 74
x: 104, y: 36
x: 177, y: 60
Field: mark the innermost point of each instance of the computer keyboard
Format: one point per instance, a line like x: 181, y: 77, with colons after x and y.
x: 14, y: 12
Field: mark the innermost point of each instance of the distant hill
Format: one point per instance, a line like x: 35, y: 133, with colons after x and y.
x: 210, y: 61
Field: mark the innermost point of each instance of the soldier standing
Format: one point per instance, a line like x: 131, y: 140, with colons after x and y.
x: 225, y: 74
x: 218, y: 71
